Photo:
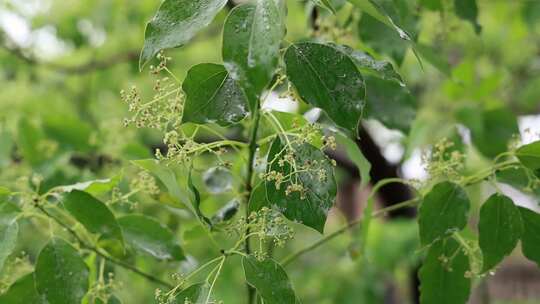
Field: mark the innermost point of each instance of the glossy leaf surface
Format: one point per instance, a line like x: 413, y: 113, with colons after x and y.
x: 212, y: 96
x: 327, y: 78
x: 175, y: 23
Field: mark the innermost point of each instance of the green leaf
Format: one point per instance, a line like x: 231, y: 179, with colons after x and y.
x: 22, y: 291
x: 197, y: 199
x: 311, y: 208
x: 194, y: 294
x: 9, y: 230
x: 252, y: 37
x: 445, y: 283
x: 61, y: 276
x: 8, y: 239
x: 530, y: 239
x: 212, y: 96
x: 327, y: 78
x: 468, y: 10
x: 367, y: 64
x: 175, y: 179
x: 175, y: 23
x: 381, y: 13
x: 147, y: 235
x: 500, y: 228
x: 258, y: 199
x: 529, y: 156
x: 270, y: 280
x: 443, y: 211
x: 355, y: 154
x: 390, y: 103
x: 93, y: 214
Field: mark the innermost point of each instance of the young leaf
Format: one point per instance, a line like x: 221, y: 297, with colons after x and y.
x: 94, y: 215
x: 390, y: 103
x: 530, y: 239
x: 175, y: 23
x: 270, y: 280
x: 212, y: 96
x: 147, y: 235
x: 319, y: 188
x: 194, y: 294
x: 252, y: 37
x: 327, y: 78
x: 443, y: 211
x: 61, y: 276
x: 443, y: 277
x: 500, y: 228
x: 354, y: 153
x: 529, y: 156
x: 22, y: 291
x: 468, y: 10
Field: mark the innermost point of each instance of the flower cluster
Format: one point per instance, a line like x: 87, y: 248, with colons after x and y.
x: 164, y: 110
x: 144, y: 182
x: 444, y: 160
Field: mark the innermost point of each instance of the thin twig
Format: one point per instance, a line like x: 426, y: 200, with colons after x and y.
x: 343, y: 229
x: 120, y: 263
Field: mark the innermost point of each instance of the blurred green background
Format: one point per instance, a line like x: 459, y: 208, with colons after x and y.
x: 63, y: 64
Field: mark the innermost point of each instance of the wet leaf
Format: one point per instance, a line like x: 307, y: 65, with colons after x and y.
x: 270, y: 280
x: 311, y: 207
x: 443, y: 277
x: 175, y: 23
x: 443, y: 211
x: 252, y: 37
x: 61, y: 276
x: 9, y: 230
x: 327, y: 78
x: 212, y: 96
x: 390, y: 103
x: 500, y: 228
x: 146, y: 235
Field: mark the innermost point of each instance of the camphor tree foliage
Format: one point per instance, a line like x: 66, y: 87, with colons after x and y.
x: 271, y: 173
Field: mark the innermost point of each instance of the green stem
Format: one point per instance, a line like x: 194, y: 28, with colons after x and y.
x: 249, y: 187
x: 343, y: 229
